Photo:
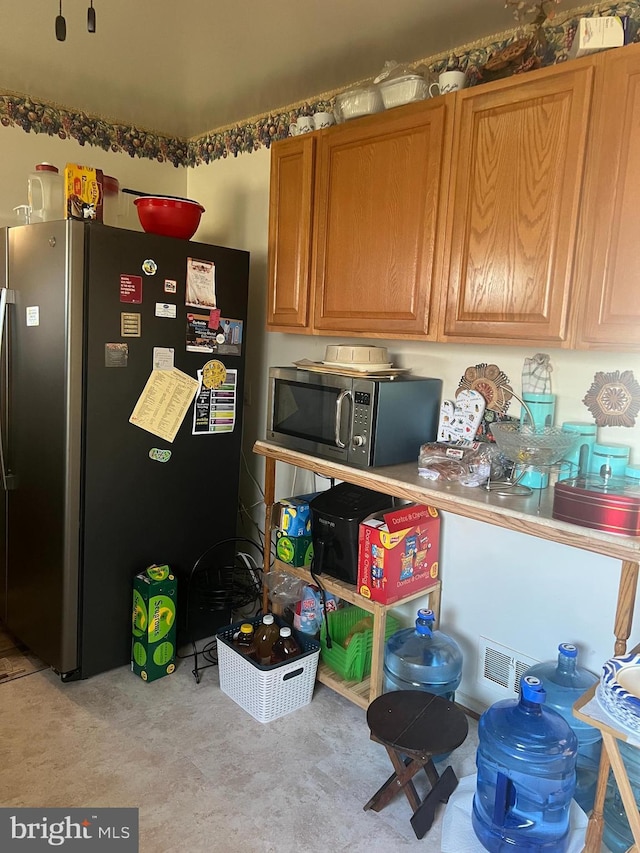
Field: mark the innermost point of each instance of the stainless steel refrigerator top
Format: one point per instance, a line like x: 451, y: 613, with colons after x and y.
x: 99, y: 323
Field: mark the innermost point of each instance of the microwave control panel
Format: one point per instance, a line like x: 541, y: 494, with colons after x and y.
x: 361, y: 418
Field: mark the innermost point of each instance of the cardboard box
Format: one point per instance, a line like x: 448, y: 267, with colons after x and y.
x: 294, y: 550
x: 153, y: 621
x: 83, y: 192
x: 593, y: 34
x: 293, y: 515
x: 398, y: 552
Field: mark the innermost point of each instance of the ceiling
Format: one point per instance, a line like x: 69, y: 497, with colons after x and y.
x: 184, y: 67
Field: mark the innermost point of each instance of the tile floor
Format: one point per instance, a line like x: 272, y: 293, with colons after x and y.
x: 204, y: 774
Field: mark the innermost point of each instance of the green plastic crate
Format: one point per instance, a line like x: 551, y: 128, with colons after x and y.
x: 354, y: 662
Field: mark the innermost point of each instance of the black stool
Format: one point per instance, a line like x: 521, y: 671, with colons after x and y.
x: 417, y: 725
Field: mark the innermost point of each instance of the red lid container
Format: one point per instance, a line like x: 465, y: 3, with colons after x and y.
x: 612, y: 506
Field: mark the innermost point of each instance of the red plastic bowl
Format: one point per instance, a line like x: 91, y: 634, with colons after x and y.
x: 169, y: 217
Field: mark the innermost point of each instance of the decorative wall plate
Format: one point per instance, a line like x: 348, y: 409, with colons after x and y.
x: 489, y: 381
x: 614, y: 398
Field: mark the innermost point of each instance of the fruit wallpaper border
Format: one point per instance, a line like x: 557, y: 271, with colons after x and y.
x: 36, y: 117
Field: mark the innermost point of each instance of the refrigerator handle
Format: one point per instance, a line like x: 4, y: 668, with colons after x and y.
x: 7, y: 297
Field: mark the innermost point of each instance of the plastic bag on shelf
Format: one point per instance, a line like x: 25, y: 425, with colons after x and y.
x: 469, y: 464
x: 283, y: 587
x: 393, y: 70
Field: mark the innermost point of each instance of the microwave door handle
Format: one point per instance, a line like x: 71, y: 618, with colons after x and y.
x: 341, y: 397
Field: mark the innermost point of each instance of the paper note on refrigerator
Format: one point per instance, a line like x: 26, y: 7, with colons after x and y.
x: 201, y: 283
x: 164, y: 402
x: 214, y: 410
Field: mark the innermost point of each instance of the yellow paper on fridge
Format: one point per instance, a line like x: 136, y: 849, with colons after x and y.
x: 164, y: 402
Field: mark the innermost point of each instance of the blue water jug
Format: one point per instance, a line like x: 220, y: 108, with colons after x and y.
x: 526, y: 762
x: 617, y: 833
x: 565, y: 682
x: 422, y: 658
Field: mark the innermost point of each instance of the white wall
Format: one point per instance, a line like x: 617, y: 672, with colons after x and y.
x: 521, y: 592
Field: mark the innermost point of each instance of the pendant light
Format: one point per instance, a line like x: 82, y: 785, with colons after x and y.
x: 91, y: 19
x: 61, y: 25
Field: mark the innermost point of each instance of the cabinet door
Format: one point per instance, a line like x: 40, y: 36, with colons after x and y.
x: 379, y: 222
x: 290, y: 219
x: 518, y: 163
x: 609, y: 257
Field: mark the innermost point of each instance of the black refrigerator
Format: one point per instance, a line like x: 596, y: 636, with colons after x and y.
x: 121, y: 421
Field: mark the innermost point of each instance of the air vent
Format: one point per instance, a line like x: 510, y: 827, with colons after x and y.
x: 502, y: 667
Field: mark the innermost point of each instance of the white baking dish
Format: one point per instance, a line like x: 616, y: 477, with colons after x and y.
x: 359, y: 102
x: 403, y: 90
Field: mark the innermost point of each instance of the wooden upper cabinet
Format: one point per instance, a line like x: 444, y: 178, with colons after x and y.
x: 379, y: 222
x: 290, y: 222
x: 609, y: 261
x: 512, y: 225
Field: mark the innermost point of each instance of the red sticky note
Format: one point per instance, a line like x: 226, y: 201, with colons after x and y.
x: 214, y: 318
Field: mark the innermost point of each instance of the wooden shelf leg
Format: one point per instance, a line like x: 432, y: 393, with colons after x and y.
x: 435, y: 596
x: 624, y: 786
x: 626, y: 600
x: 377, y: 651
x: 269, y: 497
x: 595, y: 827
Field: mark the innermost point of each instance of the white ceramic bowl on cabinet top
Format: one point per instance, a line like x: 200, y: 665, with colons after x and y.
x: 359, y: 102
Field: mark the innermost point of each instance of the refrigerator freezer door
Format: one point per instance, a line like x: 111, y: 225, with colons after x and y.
x: 3, y: 433
x: 44, y: 438
x: 138, y: 510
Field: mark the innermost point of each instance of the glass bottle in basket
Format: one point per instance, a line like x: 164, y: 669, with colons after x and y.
x: 285, y: 647
x: 245, y: 641
x: 265, y: 636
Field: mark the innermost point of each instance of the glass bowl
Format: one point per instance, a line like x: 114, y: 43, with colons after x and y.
x: 526, y: 445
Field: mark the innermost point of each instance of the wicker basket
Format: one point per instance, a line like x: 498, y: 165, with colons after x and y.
x: 266, y: 692
x: 354, y: 662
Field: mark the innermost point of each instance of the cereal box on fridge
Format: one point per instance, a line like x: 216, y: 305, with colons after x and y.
x: 398, y: 552
x: 83, y: 192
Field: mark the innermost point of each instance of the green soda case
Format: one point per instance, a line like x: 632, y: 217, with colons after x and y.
x: 153, y: 623
x: 295, y: 550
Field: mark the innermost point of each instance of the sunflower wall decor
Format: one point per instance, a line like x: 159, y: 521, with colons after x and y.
x: 614, y: 398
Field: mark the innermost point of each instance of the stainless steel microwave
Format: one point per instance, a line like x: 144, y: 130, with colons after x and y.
x: 361, y: 421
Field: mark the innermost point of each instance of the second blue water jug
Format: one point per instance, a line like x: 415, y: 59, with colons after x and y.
x: 526, y: 762
x: 565, y: 682
x: 423, y: 658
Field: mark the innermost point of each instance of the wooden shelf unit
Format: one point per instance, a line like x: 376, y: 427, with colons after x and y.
x: 523, y: 515
x: 361, y: 692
